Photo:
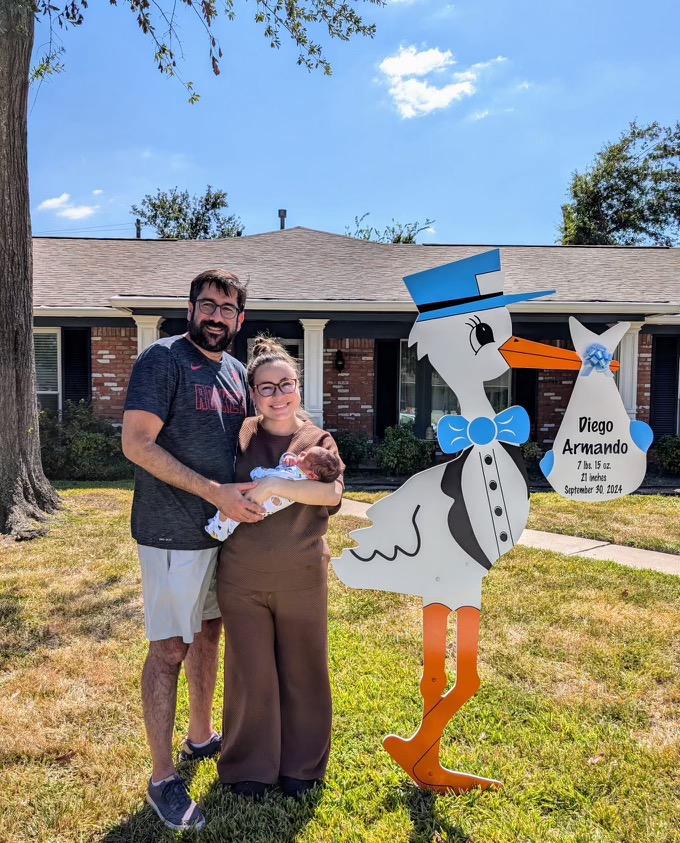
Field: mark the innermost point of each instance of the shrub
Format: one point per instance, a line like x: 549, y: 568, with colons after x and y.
x: 531, y: 454
x: 531, y: 450
x: 402, y: 453
x: 667, y: 454
x: 355, y: 448
x: 78, y: 445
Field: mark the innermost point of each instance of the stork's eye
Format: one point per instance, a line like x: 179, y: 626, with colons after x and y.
x: 481, y: 333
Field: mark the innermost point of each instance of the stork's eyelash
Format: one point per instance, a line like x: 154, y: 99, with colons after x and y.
x: 472, y: 324
x: 480, y: 334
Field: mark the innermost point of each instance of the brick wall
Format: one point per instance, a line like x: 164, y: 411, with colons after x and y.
x: 113, y: 352
x: 644, y: 384
x: 348, y: 395
x: 554, y: 391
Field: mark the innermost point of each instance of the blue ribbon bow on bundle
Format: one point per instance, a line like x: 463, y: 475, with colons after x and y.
x: 597, y: 359
x: 456, y: 433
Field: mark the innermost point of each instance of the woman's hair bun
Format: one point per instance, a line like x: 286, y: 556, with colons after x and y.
x: 266, y: 350
x: 266, y: 345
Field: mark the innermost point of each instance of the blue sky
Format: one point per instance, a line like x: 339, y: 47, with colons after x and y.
x: 473, y: 114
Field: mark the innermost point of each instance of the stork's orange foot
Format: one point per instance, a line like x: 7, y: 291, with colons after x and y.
x: 423, y: 766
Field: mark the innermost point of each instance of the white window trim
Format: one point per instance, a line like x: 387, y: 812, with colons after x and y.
x: 59, y: 392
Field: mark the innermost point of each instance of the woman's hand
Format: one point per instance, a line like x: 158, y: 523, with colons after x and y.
x: 265, y: 489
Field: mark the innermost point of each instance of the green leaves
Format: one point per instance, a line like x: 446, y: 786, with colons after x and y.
x: 630, y: 195
x: 295, y: 17
x: 177, y: 216
x: 396, y: 233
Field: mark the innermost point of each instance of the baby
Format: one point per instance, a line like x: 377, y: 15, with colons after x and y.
x: 313, y: 464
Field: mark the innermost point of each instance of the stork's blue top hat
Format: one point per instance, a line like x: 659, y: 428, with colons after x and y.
x: 474, y: 283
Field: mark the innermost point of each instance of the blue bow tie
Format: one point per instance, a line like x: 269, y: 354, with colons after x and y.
x: 455, y: 433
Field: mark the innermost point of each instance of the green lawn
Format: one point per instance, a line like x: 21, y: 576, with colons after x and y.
x: 647, y: 521
x: 651, y: 522
x: 578, y: 712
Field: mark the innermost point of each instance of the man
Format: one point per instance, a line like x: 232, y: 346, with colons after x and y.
x: 185, y: 404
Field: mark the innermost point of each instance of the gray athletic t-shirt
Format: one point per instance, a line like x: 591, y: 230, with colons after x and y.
x: 202, y: 404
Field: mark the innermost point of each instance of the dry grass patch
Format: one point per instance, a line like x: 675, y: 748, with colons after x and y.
x: 366, y: 497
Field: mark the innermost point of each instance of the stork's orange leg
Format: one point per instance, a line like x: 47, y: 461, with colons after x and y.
x: 419, y: 755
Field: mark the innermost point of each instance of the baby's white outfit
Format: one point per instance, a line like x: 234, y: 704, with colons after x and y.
x: 221, y: 530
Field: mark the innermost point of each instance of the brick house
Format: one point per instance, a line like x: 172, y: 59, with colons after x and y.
x: 341, y: 307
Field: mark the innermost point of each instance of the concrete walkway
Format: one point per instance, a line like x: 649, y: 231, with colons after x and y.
x: 633, y: 557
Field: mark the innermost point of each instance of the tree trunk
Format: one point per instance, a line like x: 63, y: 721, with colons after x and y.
x: 25, y: 493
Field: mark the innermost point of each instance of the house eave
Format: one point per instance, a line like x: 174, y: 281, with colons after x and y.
x: 663, y: 313
x: 81, y: 312
x: 130, y: 303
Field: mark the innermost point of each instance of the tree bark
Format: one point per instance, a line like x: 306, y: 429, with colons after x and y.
x: 25, y: 492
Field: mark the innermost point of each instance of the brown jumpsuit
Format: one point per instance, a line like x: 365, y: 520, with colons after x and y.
x: 272, y: 586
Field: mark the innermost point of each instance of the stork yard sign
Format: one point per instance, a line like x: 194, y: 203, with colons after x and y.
x: 442, y: 531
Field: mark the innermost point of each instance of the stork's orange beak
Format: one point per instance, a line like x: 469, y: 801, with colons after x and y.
x: 524, y: 354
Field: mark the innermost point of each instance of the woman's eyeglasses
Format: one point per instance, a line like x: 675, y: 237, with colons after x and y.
x: 208, y: 307
x: 286, y: 387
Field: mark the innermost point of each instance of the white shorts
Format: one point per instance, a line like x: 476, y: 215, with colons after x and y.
x: 180, y: 591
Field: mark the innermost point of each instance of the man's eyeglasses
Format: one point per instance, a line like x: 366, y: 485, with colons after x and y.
x: 286, y: 387
x: 208, y: 306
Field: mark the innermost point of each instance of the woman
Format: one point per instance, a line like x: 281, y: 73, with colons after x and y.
x: 272, y: 589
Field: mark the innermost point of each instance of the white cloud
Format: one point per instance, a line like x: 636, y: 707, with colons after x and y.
x: 409, y: 62
x: 53, y: 204
x: 480, y: 115
x: 97, y: 192
x: 415, y: 97
x: 78, y: 212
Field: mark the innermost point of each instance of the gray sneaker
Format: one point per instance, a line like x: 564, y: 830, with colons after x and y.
x: 191, y: 752
x: 175, y: 808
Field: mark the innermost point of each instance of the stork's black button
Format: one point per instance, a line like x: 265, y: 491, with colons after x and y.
x: 498, y: 510
x: 503, y: 537
x: 493, y: 485
x: 488, y: 459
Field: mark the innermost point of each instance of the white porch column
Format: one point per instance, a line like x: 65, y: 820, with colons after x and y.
x: 313, y: 368
x: 628, y: 373
x: 147, y: 330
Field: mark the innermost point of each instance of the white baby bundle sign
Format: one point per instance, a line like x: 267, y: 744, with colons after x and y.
x: 599, y: 454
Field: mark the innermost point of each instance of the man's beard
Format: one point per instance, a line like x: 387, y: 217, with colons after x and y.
x: 207, y: 341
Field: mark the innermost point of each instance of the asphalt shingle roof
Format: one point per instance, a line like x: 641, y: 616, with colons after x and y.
x: 302, y: 264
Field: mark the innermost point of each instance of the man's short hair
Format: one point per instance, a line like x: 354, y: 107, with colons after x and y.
x: 226, y: 282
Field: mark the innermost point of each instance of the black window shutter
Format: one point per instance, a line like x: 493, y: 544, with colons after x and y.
x: 664, y: 403
x: 76, y: 364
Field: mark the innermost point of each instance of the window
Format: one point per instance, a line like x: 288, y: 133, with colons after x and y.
x: 437, y: 394
x: 407, y: 384
x: 47, y: 349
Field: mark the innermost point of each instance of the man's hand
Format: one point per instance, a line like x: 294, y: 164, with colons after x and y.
x: 266, y: 488
x: 231, y: 502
